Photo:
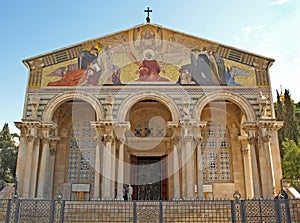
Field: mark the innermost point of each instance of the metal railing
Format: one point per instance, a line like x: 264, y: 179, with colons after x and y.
x: 65, y: 211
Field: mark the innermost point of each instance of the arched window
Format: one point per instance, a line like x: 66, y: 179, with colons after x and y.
x: 82, y: 153
x: 146, y: 129
x: 216, y: 153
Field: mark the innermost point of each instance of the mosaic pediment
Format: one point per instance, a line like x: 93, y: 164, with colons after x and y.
x: 148, y: 54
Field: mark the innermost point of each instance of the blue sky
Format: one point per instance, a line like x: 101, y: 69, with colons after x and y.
x: 33, y: 27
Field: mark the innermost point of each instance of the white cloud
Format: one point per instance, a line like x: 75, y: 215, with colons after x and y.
x: 248, y: 29
x: 279, y: 2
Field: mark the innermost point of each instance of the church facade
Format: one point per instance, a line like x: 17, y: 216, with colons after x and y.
x: 173, y: 115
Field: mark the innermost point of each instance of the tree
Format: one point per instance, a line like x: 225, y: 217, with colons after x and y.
x: 279, y: 111
x: 286, y: 111
x: 290, y: 128
x: 291, y: 160
x: 8, y: 155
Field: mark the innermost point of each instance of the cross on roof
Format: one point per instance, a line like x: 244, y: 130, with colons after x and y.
x: 148, y: 14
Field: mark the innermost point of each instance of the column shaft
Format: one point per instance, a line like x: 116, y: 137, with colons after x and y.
x: 247, y: 169
x: 28, y: 169
x: 190, y: 169
x: 34, y: 171
x: 120, y: 172
x: 21, y: 162
x: 269, y: 161
x: 200, y: 173
x: 176, y: 172
x: 255, y: 167
x: 106, y: 187
x: 113, y: 170
x: 97, y: 171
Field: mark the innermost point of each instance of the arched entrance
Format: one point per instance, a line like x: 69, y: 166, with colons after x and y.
x: 224, y: 156
x: 147, y: 148
x: 76, y: 150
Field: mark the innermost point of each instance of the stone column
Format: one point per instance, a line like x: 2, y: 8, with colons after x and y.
x: 120, y: 170
x: 188, y: 171
x: 254, y: 163
x: 199, y: 171
x: 247, y: 167
x: 266, y: 126
x: 30, y: 133
x: 190, y: 167
x: 98, y: 165
x: 34, y: 167
x: 105, y: 130
x: 183, y: 170
x: 50, y: 168
x: 190, y: 133
x: 269, y: 191
x: 43, y: 166
x: 120, y: 130
x: 106, y: 187
x: 28, y: 167
x: 113, y: 169
x: 198, y: 139
x: 176, y: 167
x: 98, y: 160
x: 21, y: 161
x: 45, y: 133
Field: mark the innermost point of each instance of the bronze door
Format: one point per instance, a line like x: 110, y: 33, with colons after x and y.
x: 148, y: 178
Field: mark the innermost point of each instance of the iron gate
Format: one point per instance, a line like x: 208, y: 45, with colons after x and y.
x: 65, y: 211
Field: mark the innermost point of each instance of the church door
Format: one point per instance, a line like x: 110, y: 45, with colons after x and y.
x: 148, y: 177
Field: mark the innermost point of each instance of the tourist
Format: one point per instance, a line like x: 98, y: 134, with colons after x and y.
x: 129, y: 192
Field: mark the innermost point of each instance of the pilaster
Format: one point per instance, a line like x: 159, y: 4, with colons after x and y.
x: 53, y: 141
x: 266, y: 127
x: 30, y: 133
x: 251, y: 129
x: 120, y: 130
x: 105, y: 131
x: 248, y: 175
x: 46, y: 131
x: 190, y: 133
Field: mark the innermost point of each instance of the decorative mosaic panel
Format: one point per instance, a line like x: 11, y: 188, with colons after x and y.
x: 148, y: 54
x: 82, y: 153
x: 216, y: 153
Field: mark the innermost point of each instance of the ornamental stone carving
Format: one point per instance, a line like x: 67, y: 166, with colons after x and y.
x: 35, y: 102
x: 263, y: 103
x: 110, y: 100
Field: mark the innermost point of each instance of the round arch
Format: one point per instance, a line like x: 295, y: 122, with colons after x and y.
x: 58, y: 100
x: 147, y: 95
x: 240, y: 101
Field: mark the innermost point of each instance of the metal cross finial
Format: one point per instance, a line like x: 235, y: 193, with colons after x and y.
x: 148, y: 14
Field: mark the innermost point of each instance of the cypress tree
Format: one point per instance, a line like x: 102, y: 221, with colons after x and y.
x: 8, y: 155
x: 279, y: 111
x: 290, y: 128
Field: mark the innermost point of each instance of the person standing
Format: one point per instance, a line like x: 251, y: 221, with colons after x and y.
x: 129, y: 192
x: 124, y: 193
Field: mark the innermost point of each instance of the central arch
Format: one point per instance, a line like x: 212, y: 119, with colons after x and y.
x: 146, y: 146
x: 147, y: 95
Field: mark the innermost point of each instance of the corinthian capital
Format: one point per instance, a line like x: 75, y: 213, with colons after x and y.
x: 197, y: 140
x: 175, y: 140
x: 107, y: 138
x: 45, y: 140
x: 252, y: 140
x: 266, y: 138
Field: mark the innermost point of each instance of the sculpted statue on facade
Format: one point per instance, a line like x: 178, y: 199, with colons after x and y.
x: 263, y: 102
x: 110, y: 100
x: 35, y: 102
x: 186, y: 102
